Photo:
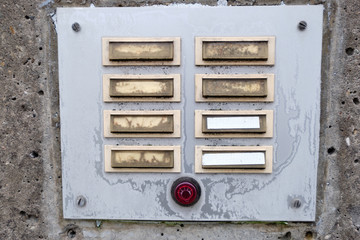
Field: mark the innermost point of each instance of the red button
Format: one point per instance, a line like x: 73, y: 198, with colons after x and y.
x: 185, y: 191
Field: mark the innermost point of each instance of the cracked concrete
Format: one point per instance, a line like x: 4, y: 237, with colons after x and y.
x: 30, y: 176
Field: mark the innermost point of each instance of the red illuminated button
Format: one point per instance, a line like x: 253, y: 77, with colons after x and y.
x: 185, y: 191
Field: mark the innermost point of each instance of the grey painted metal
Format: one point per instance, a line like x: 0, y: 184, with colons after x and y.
x: 225, y: 197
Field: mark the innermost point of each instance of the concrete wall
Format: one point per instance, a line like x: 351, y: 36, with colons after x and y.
x: 30, y: 172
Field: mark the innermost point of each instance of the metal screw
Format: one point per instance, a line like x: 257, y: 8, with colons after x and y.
x: 296, y: 203
x: 98, y: 223
x: 81, y: 201
x: 302, y: 25
x: 76, y: 27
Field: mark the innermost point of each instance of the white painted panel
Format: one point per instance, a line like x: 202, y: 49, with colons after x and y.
x: 234, y: 159
x: 233, y: 122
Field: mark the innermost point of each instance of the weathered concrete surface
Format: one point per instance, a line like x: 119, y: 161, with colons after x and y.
x: 30, y: 175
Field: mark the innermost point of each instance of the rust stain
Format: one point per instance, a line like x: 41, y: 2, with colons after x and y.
x: 12, y: 30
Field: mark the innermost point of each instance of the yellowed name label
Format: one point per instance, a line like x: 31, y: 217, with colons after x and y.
x: 141, y: 88
x: 142, y: 159
x: 142, y: 123
x: 235, y: 50
x: 234, y: 87
x: 142, y: 51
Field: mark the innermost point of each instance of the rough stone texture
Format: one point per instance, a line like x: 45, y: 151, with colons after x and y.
x: 253, y: 2
x: 30, y: 175
x: 347, y: 150
x: 23, y: 70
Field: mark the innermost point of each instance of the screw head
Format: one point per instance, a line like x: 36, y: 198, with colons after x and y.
x: 76, y: 27
x: 98, y: 223
x: 80, y: 201
x: 302, y: 25
x: 296, y: 203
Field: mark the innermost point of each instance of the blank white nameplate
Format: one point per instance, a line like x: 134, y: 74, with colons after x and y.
x: 233, y: 122
x: 234, y: 160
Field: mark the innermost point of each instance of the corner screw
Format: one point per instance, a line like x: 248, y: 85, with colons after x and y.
x: 302, y: 25
x: 76, y: 27
x: 81, y: 201
x: 296, y: 203
x: 98, y: 223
